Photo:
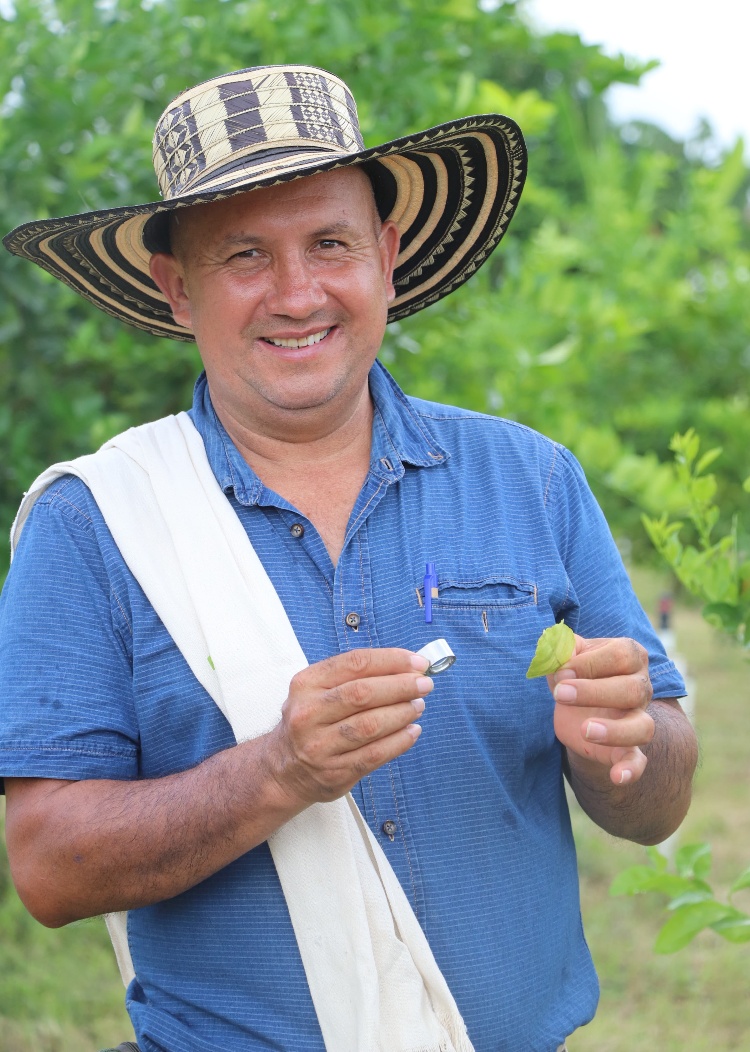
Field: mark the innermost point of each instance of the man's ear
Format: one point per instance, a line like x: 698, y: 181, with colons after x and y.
x: 389, y: 242
x: 169, y: 275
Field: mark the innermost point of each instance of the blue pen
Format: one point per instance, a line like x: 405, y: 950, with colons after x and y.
x: 430, y: 591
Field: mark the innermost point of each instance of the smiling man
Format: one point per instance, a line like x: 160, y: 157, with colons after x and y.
x: 286, y: 291
x: 211, y: 696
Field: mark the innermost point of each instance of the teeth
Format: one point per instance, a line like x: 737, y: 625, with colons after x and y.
x: 306, y: 341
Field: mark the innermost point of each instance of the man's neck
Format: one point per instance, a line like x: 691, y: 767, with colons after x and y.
x: 319, y: 470
x: 299, y: 440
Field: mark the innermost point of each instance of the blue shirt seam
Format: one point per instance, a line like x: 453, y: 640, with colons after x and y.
x: 65, y: 508
x: 663, y: 669
x: 550, y: 474
x: 403, y: 838
x: 120, y: 607
x: 32, y: 749
x: 363, y: 587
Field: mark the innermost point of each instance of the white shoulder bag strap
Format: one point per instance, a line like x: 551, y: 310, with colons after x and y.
x: 373, y: 979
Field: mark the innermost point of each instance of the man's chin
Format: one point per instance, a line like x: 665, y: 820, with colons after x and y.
x: 303, y: 398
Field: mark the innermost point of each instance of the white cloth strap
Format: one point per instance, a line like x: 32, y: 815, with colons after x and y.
x: 373, y: 979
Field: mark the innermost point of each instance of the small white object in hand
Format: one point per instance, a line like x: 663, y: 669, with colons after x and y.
x: 439, y: 655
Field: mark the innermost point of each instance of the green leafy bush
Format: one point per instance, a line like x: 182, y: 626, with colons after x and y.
x: 615, y: 312
x: 692, y: 904
x: 716, y: 571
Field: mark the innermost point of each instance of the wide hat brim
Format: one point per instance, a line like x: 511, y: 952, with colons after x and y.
x: 451, y: 190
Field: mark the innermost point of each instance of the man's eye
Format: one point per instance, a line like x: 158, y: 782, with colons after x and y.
x: 330, y: 243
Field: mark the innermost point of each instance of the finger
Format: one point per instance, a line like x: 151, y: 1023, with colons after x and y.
x: 603, y: 658
x: 629, y: 768
x: 359, y: 664
x: 373, y: 725
x: 320, y: 772
x: 369, y: 758
x: 617, y: 692
x: 628, y: 732
x: 377, y: 692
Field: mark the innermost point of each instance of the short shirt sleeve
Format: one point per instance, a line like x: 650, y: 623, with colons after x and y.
x: 601, y: 601
x: 66, y: 685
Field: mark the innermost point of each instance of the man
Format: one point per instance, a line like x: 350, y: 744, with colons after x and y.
x: 126, y: 788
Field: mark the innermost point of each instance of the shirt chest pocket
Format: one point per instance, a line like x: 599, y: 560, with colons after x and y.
x: 485, y: 602
x: 492, y: 621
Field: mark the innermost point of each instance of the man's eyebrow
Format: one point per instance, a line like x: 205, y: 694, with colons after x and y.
x: 243, y: 238
x: 239, y: 239
x: 343, y: 226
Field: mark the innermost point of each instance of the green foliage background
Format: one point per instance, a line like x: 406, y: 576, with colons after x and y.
x: 615, y: 313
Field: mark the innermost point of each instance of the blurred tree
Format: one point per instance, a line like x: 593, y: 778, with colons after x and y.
x: 716, y: 571
x: 615, y: 313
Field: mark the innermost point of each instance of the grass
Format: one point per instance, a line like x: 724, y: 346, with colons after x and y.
x: 696, y: 999
x: 60, y: 990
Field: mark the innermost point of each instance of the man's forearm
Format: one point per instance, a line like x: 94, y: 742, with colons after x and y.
x: 650, y: 809
x: 79, y: 849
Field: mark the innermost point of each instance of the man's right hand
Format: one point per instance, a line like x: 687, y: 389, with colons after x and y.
x: 345, y: 717
x: 78, y: 849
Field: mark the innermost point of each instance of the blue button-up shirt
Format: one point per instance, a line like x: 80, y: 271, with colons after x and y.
x: 473, y: 818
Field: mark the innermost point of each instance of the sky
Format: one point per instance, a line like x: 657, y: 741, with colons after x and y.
x: 703, y: 49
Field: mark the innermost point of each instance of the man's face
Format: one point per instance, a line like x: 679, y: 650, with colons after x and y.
x: 286, y: 290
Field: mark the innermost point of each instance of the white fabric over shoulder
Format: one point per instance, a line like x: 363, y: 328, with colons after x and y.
x: 373, y: 979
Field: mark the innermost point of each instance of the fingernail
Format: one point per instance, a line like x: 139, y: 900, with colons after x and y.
x: 625, y: 777
x: 414, y: 729
x: 564, y: 673
x: 595, y: 732
x: 565, y: 692
x: 419, y: 663
x: 418, y: 704
x: 425, y: 684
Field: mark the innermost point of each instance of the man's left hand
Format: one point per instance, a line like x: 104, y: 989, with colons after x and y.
x: 601, y: 696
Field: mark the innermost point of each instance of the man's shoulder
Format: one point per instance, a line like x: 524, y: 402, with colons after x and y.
x: 484, y: 426
x: 65, y: 517
x: 70, y: 498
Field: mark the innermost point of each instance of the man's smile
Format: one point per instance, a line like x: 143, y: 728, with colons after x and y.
x: 296, y: 343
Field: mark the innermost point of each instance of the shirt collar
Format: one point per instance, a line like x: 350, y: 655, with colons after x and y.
x: 399, y: 437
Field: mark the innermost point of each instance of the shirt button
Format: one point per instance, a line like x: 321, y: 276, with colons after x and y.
x: 297, y: 530
x: 389, y: 828
x: 353, y: 620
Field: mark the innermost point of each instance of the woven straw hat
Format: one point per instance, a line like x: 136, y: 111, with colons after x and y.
x: 451, y: 190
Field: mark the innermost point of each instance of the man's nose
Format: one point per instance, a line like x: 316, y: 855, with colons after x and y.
x: 296, y: 290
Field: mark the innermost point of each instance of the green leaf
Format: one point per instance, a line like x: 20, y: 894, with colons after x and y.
x: 742, y: 881
x: 634, y: 880
x: 733, y: 929
x: 639, y: 879
x: 707, y: 460
x: 211, y: 662
x: 723, y: 615
x: 686, y: 922
x: 656, y: 858
x: 554, y: 647
x: 695, y: 895
x: 693, y: 860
